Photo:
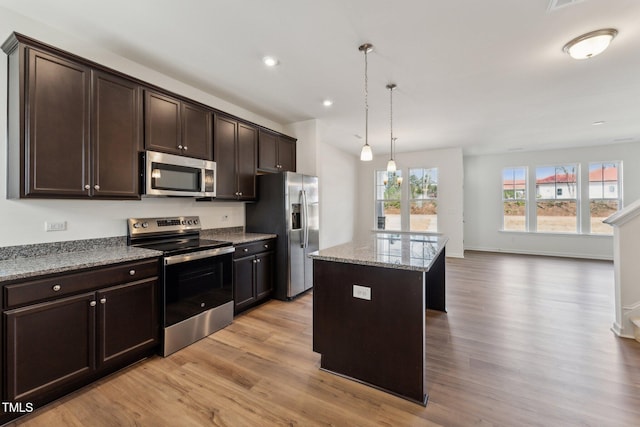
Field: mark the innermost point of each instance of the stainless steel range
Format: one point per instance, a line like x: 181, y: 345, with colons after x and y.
x: 197, y: 279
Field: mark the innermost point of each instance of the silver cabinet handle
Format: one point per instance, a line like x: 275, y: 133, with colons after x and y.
x: 97, y: 187
x: 185, y: 148
x: 180, y: 147
x: 254, y: 261
x: 92, y: 303
x: 266, y: 246
x: 258, y: 260
x: 240, y: 193
x: 87, y: 187
x: 245, y: 250
x: 132, y: 272
x: 103, y: 300
x: 56, y: 288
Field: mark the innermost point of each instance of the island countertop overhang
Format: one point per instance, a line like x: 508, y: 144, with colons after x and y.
x: 404, y: 251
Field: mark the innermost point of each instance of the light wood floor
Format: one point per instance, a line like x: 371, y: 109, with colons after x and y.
x: 526, y: 341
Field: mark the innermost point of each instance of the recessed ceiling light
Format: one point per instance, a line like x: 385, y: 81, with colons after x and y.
x: 327, y: 103
x: 598, y: 123
x: 270, y: 61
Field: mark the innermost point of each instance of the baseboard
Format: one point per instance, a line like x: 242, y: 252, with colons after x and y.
x: 540, y: 253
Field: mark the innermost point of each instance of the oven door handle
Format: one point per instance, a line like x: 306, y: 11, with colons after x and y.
x: 192, y: 256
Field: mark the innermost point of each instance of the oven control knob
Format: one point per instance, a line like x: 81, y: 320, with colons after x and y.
x: 195, y: 222
x: 190, y: 222
x: 145, y: 225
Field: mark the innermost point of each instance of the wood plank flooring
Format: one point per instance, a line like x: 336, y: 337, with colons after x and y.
x: 525, y: 342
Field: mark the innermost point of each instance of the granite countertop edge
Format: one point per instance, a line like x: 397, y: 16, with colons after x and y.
x: 27, y: 261
x: 22, y: 268
x: 396, y: 266
x: 364, y: 253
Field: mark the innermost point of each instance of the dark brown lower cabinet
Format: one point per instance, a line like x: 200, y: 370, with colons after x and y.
x: 253, y: 268
x: 97, y: 325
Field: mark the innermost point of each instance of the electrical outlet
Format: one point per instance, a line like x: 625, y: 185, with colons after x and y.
x: 55, y: 226
x: 362, y: 292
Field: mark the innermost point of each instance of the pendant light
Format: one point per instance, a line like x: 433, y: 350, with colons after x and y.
x: 391, y: 164
x: 366, y: 155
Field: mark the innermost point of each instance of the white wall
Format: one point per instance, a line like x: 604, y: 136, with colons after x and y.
x: 483, y: 200
x: 450, y: 191
x: 337, y: 180
x: 22, y: 221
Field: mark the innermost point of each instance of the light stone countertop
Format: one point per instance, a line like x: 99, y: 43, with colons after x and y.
x: 390, y: 250
x: 236, y: 237
x: 20, y: 262
x: 25, y: 267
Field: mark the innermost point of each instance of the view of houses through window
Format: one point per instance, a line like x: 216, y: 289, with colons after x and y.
x: 558, y: 198
x: 414, y: 209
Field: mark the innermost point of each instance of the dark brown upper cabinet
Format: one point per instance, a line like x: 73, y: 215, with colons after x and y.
x: 177, y: 127
x: 116, y: 136
x: 73, y: 131
x: 276, y: 153
x: 235, y: 146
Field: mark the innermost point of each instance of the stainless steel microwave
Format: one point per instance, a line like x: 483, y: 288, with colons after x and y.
x: 170, y: 175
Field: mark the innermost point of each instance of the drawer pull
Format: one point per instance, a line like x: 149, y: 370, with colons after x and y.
x: 132, y: 272
x: 246, y: 249
x: 266, y: 246
x: 56, y: 288
x: 92, y: 303
x: 103, y: 300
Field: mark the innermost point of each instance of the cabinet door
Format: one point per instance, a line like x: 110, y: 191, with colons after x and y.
x: 57, y: 119
x: 268, y: 152
x: 287, y: 154
x: 127, y: 320
x: 162, y: 131
x: 246, y: 152
x: 243, y: 282
x: 116, y: 137
x: 225, y: 157
x: 49, y: 345
x: 196, y: 132
x: 264, y: 275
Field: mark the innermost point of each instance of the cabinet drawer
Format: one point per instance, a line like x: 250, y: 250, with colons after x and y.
x: 47, y: 288
x: 248, y: 249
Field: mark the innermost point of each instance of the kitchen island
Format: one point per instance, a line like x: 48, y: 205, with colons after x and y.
x: 369, y: 303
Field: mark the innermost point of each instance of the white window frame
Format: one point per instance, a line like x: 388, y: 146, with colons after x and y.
x: 618, y: 165
x: 410, y: 200
x: 524, y: 197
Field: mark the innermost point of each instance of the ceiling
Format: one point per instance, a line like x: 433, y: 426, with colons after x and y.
x: 488, y: 76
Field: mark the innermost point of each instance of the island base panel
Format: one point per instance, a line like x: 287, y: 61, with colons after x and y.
x: 378, y: 341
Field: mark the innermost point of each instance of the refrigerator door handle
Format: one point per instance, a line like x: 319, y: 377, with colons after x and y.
x: 305, y: 216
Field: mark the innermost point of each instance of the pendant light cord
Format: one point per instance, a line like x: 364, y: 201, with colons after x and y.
x: 391, y: 116
x: 366, y: 101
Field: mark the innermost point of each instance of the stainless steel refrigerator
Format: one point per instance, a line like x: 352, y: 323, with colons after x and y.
x: 288, y: 206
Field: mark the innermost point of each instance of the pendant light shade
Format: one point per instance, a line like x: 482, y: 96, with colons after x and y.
x: 366, y: 154
x: 391, y: 164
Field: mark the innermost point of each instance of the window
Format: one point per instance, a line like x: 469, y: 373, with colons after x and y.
x: 388, y: 200
x: 604, y: 195
x: 423, y: 199
x: 514, y: 199
x: 557, y: 199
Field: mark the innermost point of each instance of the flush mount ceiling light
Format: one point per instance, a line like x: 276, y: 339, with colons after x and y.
x: 270, y: 61
x: 366, y: 155
x: 391, y: 165
x: 590, y: 44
